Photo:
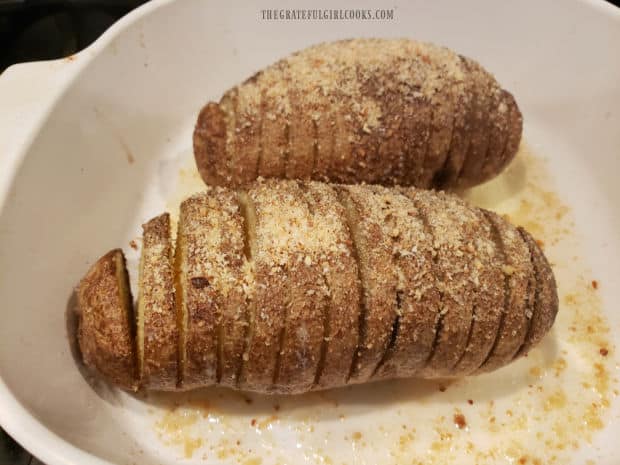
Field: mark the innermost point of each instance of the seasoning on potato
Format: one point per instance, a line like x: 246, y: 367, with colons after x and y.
x: 379, y: 111
x: 292, y: 286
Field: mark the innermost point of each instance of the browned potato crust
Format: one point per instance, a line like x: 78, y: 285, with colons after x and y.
x: 382, y: 111
x: 106, y: 325
x: 157, y: 315
x: 294, y: 286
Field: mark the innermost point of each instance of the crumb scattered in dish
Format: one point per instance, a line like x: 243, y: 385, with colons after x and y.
x: 537, y: 411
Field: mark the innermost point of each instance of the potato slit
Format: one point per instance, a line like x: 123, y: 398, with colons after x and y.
x: 489, y: 132
x: 333, y: 137
x: 286, y: 154
x: 261, y: 117
x: 514, y: 110
x: 327, y: 302
x: 535, y: 307
x: 219, y: 351
x: 499, y: 243
x: 315, y: 148
x: 502, y: 154
x: 281, y: 336
x: 472, y: 119
x: 287, y: 151
x: 453, y: 97
x: 446, y: 174
x: 326, y: 331
x: 122, y: 276
x: 351, y: 219
x: 248, y: 212
x: 398, y: 297
x: 485, y: 161
x: 483, y: 126
x: 297, y: 359
x: 181, y: 309
x: 458, y: 156
x: 158, y: 306
x: 422, y: 162
x: 140, y: 320
x: 470, y: 331
x: 227, y: 104
x: 235, y: 136
x: 261, y: 132
x: 468, y: 154
x: 498, y: 129
x: 249, y: 224
x: 430, y: 177
x: 441, y: 175
x: 389, y: 349
x: 439, y: 318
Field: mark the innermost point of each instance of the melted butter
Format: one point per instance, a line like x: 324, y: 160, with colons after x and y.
x: 173, y: 428
x: 536, y: 411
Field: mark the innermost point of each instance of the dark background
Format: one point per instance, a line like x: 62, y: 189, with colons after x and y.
x: 33, y: 30
x: 45, y: 29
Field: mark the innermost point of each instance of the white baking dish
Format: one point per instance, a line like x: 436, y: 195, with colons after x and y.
x: 91, y: 146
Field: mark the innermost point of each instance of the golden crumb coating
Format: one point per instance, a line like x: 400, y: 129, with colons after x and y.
x: 383, y: 111
x: 215, y: 282
x: 292, y: 286
x: 157, y: 315
x: 519, y: 285
x: 106, y: 325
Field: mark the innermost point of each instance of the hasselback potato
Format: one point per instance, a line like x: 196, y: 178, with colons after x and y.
x: 382, y: 111
x: 290, y: 286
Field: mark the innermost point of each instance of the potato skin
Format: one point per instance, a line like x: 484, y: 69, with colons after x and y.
x: 106, y: 326
x: 157, y: 304
x: 379, y: 111
x: 295, y: 286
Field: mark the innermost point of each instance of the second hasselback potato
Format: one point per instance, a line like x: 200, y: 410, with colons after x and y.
x: 379, y: 111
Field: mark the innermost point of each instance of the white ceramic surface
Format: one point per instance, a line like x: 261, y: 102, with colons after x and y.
x: 91, y: 146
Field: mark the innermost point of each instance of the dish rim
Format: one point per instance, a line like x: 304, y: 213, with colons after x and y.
x: 15, y: 418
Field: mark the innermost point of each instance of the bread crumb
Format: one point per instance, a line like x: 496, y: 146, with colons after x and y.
x: 508, y: 270
x: 460, y: 421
